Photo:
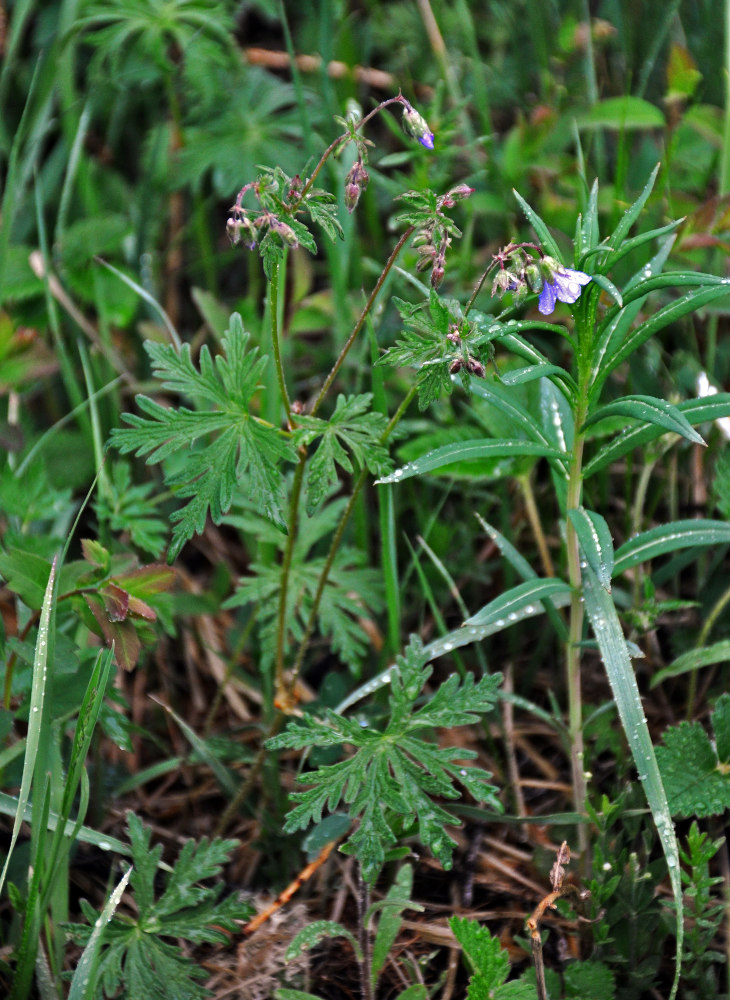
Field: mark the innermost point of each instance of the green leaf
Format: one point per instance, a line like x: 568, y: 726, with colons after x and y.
x: 589, y: 980
x: 485, y: 956
x: 317, y: 931
x: 468, y: 451
x: 710, y: 289
x: 695, y: 411
x: 137, y: 953
x: 697, y: 780
x: 83, y: 983
x: 397, y: 900
x: 594, y: 538
x: 543, y: 233
x: 522, y: 596
x: 35, y: 721
x: 236, y: 451
x: 394, y: 773
x: 26, y: 574
x: 622, y: 114
x: 668, y: 538
x: 632, y: 214
x: 353, y: 431
x: 651, y: 410
x: 606, y: 627
x: 693, y: 659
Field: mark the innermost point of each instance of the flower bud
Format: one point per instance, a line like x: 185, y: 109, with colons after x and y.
x: 355, y: 183
x: 533, y: 277
x: 455, y: 366
x: 417, y: 126
x: 475, y: 367
x: 502, y: 283
x: 285, y: 232
x: 457, y: 193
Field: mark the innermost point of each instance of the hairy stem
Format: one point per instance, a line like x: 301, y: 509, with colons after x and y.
x: 361, y: 318
x: 276, y: 347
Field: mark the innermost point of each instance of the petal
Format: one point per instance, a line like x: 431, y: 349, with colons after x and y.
x: 548, y: 297
x: 426, y: 140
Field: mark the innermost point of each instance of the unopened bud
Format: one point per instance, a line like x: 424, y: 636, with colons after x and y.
x: 285, y: 232
x: 457, y: 193
x: 475, y: 367
x: 355, y: 183
x: 502, y: 283
x: 455, y: 366
x: 533, y: 277
x: 417, y: 126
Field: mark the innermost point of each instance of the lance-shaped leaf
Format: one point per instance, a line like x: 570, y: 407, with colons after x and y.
x: 468, y: 451
x: 668, y: 538
x: 594, y: 538
x: 695, y: 411
x: 651, y: 410
x: 505, y: 608
x: 609, y: 636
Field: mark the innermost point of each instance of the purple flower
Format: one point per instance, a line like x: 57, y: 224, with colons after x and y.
x: 426, y: 140
x: 564, y: 285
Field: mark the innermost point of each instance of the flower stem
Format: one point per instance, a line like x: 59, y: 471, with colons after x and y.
x: 335, y: 544
x: 361, y: 319
x: 274, y: 310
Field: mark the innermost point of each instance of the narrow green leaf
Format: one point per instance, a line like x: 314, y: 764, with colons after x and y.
x: 396, y: 900
x: 651, y: 410
x: 519, y: 376
x: 608, y: 286
x: 35, y: 717
x: 543, y: 233
x: 668, y: 538
x: 83, y: 984
x: 695, y: 411
x: 505, y: 608
x: 632, y: 214
x: 594, y: 538
x: 693, y: 659
x: 606, y: 627
x: 468, y: 451
x: 223, y: 776
x: 707, y: 292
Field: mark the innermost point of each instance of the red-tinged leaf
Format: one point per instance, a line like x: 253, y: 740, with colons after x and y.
x: 121, y: 635
x: 116, y: 602
x: 142, y: 610
x: 151, y: 579
x: 95, y: 553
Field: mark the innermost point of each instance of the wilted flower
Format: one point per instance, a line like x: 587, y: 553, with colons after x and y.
x: 417, y: 126
x: 560, y: 284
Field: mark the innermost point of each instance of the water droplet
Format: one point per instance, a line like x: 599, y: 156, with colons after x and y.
x: 500, y: 623
x: 447, y: 647
x: 512, y: 616
x: 473, y: 631
x: 104, y: 845
x: 530, y: 609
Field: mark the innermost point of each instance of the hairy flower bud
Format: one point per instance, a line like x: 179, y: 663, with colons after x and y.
x: 502, y: 283
x: 284, y: 231
x: 475, y: 367
x: 355, y: 183
x: 417, y: 126
x: 457, y: 193
x: 533, y: 277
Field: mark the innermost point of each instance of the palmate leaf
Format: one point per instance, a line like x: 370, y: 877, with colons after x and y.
x: 394, y: 774
x: 140, y: 953
x: 353, y: 431
x: 219, y: 450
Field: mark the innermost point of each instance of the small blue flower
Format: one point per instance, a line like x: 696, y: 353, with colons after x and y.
x: 564, y: 285
x: 426, y: 140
